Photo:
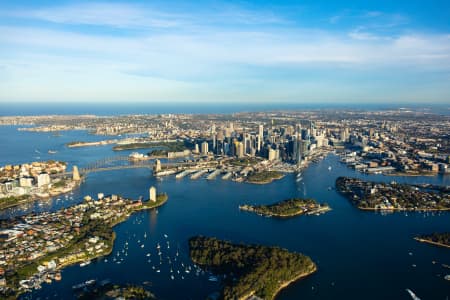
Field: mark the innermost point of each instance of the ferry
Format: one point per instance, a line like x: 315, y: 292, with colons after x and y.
x: 213, y: 278
x: 447, y: 277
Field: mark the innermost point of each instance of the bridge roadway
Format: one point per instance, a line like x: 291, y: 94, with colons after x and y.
x: 132, y: 165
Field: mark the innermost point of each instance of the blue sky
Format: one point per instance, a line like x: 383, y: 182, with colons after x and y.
x: 233, y: 51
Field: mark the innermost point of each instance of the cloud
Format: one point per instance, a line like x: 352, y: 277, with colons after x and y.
x: 149, y: 49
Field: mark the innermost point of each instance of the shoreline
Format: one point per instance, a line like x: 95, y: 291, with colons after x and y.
x: 320, y: 210
x: 63, y: 265
x: 421, y: 240
x: 284, y: 284
x: 300, y: 276
x: 33, y: 198
x: 403, y: 209
x: 266, y: 181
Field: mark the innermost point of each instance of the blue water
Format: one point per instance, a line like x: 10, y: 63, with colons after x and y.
x: 360, y: 255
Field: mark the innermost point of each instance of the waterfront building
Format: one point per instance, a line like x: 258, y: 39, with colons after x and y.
x: 43, y: 179
x: 157, y: 166
x: 75, y: 174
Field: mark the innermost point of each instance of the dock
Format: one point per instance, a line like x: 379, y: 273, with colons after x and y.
x: 227, y: 176
x: 199, y: 174
x: 213, y: 175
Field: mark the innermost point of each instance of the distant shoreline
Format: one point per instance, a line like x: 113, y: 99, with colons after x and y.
x: 426, y: 241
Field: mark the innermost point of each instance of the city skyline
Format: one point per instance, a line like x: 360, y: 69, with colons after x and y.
x: 252, y: 52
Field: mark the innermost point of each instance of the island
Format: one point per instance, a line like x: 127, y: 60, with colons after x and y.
x: 288, y: 208
x: 264, y: 177
x: 437, y: 239
x: 249, y: 270
x: 392, y: 196
x: 35, y: 247
x: 109, y: 291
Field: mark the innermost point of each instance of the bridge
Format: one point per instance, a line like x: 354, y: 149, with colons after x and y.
x: 124, y: 162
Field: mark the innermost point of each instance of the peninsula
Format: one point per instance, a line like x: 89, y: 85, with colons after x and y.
x: 251, y: 270
x: 35, y: 247
x: 288, y: 208
x: 26, y: 182
x: 437, y: 239
x: 368, y: 195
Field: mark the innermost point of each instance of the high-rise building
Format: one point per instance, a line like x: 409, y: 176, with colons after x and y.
x: 152, y: 194
x: 43, y: 179
x: 75, y: 174
x: 240, y: 150
x: 205, y: 148
x: 157, y: 167
x: 274, y: 154
x: 260, y: 136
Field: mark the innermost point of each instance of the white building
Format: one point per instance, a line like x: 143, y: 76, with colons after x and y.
x: 205, y: 148
x: 152, y: 194
x: 43, y: 179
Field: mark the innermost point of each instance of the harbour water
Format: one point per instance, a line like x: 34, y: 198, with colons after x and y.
x: 360, y: 255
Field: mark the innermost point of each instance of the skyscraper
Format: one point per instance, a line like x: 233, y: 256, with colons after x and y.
x: 205, y: 148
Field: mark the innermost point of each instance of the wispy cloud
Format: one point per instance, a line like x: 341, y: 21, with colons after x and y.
x: 150, y: 48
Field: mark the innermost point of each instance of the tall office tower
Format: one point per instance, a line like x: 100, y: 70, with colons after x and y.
x: 214, y: 143
x: 261, y: 136
x: 244, y: 142
x: 152, y: 194
x: 344, y: 134
x: 213, y: 129
x: 205, y: 148
x: 240, y: 150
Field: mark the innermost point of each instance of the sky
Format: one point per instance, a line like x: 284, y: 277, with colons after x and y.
x: 225, y: 51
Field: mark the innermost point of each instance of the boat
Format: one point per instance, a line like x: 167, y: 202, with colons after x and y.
x: 142, y: 246
x: 85, y: 263
x: 329, y: 168
x: 171, y: 277
x: 447, y: 277
x: 411, y: 293
x: 165, y: 235
x: 84, y: 284
x: 52, y: 151
x: 213, y: 278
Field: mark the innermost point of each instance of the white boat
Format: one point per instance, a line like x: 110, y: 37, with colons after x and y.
x: 411, y: 293
x: 85, y: 263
